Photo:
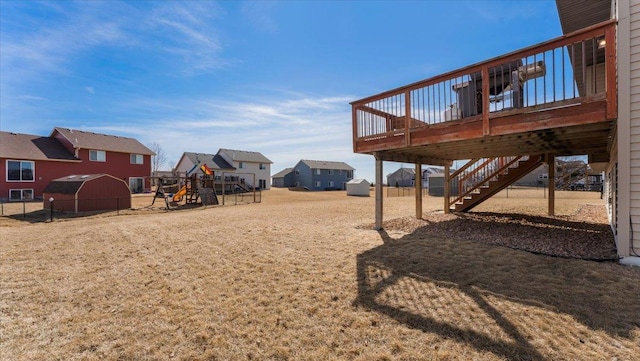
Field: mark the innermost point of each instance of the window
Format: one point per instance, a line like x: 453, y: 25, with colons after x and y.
x: 330, y: 183
x: 20, y: 194
x: 349, y: 174
x: 297, y: 172
x: 137, y: 159
x: 263, y: 166
x: 330, y: 171
x: 262, y: 183
x: 318, y: 171
x: 241, y: 165
x: 20, y: 171
x: 340, y: 171
x: 136, y: 184
x: 318, y: 184
x: 98, y: 155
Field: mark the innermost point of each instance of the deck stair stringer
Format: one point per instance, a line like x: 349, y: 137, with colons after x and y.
x: 510, y: 170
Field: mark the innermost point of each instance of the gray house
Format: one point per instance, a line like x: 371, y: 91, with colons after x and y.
x: 317, y: 175
x: 406, y: 177
x: 283, y: 178
x: 403, y: 177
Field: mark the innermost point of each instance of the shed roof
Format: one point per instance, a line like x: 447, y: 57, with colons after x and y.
x: 282, y: 173
x: 245, y: 156
x: 32, y: 147
x: 323, y: 164
x: 112, y: 143
x: 358, y: 181
x: 71, y: 183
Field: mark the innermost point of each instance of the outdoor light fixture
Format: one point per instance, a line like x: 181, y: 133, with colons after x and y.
x: 602, y: 43
x: 51, y: 209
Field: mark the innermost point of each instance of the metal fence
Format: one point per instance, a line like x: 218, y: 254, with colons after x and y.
x: 38, y: 210
x: 405, y: 192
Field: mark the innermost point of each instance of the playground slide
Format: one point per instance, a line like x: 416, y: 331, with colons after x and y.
x: 180, y: 194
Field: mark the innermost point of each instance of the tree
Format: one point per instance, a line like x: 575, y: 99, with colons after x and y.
x: 160, y: 159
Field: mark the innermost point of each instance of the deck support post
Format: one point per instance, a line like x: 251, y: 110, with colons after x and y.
x: 447, y: 190
x: 378, y: 224
x: 551, y: 181
x: 418, y: 186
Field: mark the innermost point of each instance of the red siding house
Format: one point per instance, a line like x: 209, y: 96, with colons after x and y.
x: 29, y: 162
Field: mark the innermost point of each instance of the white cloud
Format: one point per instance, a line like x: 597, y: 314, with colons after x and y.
x: 90, y: 90
x: 260, y: 15
x: 285, y: 129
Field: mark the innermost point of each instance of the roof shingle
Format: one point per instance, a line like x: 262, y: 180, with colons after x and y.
x: 32, y: 147
x: 112, y: 143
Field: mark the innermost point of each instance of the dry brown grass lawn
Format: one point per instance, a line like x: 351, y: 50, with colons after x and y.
x: 302, y: 276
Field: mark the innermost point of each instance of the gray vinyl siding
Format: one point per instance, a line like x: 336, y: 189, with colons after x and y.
x: 302, y: 176
x: 634, y: 203
x: 307, y: 177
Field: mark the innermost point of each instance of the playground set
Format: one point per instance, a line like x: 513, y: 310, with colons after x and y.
x: 193, y: 187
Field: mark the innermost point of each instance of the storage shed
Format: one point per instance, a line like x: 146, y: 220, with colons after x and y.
x: 436, y: 185
x: 358, y: 187
x: 85, y: 193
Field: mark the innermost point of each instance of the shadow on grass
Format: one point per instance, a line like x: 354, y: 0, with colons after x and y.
x: 473, y: 293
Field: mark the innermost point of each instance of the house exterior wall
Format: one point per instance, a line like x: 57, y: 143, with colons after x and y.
x: 184, y: 165
x: 307, y: 177
x: 248, y: 169
x: 117, y: 164
x: 628, y: 162
x: 44, y: 172
x: 287, y: 181
x: 402, y: 177
x: 302, y: 176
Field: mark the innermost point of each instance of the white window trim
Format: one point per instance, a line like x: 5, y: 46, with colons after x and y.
x: 318, y: 171
x: 331, y: 171
x: 136, y: 155
x: 330, y: 183
x: 19, y: 181
x: 97, y: 157
x: 22, y: 194
x: 318, y: 184
x: 240, y: 165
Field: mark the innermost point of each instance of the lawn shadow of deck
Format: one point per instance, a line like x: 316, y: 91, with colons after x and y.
x: 475, y: 293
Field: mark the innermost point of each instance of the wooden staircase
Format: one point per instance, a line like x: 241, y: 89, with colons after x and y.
x: 480, y: 179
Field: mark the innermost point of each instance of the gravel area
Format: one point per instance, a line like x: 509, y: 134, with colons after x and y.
x: 585, y: 235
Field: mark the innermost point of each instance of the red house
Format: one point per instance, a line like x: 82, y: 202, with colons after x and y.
x: 30, y: 162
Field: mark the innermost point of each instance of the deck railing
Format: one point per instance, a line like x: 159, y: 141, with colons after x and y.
x: 564, y: 71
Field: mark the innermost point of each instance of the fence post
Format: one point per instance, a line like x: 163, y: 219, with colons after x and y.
x: 24, y: 209
x: 51, y: 209
x: 118, y: 205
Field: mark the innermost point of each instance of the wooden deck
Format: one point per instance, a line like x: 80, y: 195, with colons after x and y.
x: 557, y: 98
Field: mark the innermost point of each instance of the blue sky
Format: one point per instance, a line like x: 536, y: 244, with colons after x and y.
x: 272, y: 77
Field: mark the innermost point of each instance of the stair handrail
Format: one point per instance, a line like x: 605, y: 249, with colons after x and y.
x: 488, y: 178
